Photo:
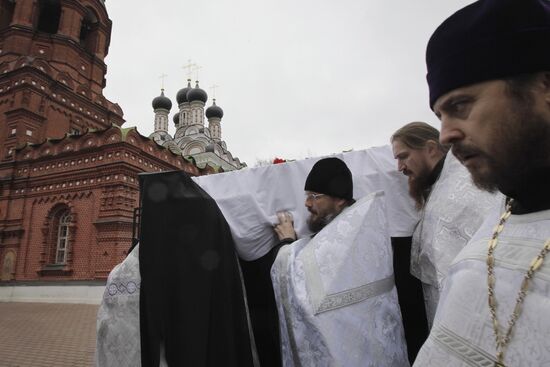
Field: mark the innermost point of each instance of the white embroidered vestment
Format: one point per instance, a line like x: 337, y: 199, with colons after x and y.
x: 335, y: 294
x: 462, y: 334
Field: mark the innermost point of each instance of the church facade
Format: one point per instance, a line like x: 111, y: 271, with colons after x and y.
x: 68, y: 169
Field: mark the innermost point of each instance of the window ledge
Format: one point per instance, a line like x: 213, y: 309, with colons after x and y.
x: 56, y: 269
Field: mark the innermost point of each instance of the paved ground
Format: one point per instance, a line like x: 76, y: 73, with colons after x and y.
x: 47, y: 335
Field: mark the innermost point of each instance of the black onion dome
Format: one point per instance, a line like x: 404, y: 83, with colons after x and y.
x: 176, y: 118
x: 181, y: 96
x: 214, y: 111
x: 162, y: 102
x: 197, y: 94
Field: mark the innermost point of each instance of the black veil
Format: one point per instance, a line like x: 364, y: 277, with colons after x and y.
x: 192, y: 300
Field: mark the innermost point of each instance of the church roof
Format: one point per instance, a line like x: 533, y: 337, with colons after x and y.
x: 94, y: 138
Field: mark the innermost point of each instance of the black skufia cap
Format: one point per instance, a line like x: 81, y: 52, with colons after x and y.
x: 487, y: 40
x: 332, y: 177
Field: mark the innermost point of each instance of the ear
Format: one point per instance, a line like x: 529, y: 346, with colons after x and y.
x: 432, y: 148
x: 340, y: 204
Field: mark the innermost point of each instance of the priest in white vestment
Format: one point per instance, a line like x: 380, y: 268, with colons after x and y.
x: 495, y: 112
x: 463, y: 333
x: 335, y: 292
x: 452, y: 208
x: 118, y: 342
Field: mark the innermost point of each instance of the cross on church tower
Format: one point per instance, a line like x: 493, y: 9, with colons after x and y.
x: 162, y: 77
x: 213, y: 88
x: 189, y: 68
x: 196, y: 69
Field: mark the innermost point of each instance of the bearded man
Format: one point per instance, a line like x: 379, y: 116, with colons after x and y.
x: 329, y: 189
x: 452, y: 208
x: 489, y: 79
x: 420, y: 157
x: 335, y: 292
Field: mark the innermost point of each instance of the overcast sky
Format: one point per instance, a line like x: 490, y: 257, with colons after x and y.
x: 296, y: 78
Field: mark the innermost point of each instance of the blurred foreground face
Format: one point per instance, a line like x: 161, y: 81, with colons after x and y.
x: 498, y: 135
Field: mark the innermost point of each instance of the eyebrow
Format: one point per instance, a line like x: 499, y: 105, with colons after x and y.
x: 450, y: 100
x: 443, y: 106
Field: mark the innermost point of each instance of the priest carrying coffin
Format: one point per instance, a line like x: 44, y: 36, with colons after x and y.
x: 335, y: 290
x: 192, y: 309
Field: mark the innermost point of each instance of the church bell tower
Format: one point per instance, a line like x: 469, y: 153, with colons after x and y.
x: 52, y: 70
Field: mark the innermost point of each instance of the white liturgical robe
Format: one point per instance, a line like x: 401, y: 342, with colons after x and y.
x: 335, y: 293
x: 462, y: 334
x: 118, y: 340
x: 452, y: 214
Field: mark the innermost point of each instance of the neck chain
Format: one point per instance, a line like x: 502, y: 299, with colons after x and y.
x: 502, y: 340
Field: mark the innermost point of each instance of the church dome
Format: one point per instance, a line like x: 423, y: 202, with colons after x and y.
x: 181, y: 96
x: 162, y: 102
x: 197, y: 94
x: 214, y: 111
x: 176, y: 118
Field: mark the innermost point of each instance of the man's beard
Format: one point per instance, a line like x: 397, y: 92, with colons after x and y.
x: 320, y: 222
x: 519, y: 146
x: 418, y: 187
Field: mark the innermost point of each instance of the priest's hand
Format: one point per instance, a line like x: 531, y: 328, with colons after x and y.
x: 285, y: 228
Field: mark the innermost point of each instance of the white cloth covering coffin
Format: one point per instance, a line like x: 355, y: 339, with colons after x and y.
x: 250, y: 198
x: 335, y: 294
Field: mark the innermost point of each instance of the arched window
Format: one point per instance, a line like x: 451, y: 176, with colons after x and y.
x: 49, y: 14
x: 88, y: 31
x: 62, y: 238
x: 59, y: 232
x: 6, y: 12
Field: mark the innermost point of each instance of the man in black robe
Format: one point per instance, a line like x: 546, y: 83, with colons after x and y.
x: 192, y: 304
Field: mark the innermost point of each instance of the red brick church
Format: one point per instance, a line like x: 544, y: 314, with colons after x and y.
x: 68, y: 170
